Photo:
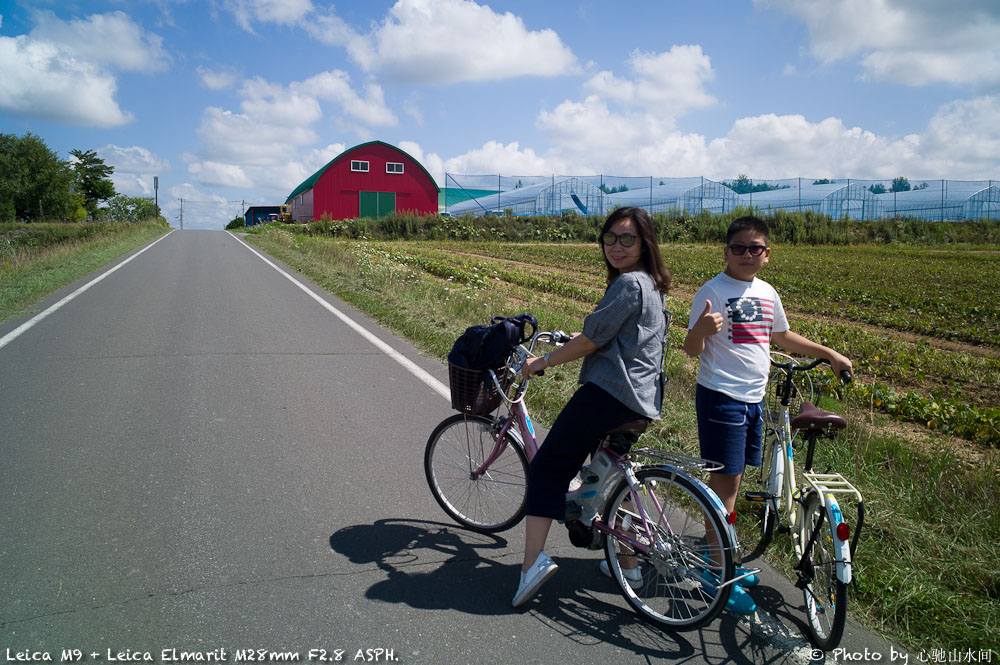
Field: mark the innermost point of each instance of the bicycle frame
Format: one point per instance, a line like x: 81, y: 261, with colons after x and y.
x: 826, y: 486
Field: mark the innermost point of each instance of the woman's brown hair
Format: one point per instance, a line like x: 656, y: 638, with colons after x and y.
x: 649, y: 257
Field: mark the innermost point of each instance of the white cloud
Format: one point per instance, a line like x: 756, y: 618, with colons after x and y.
x: 963, y: 138
x: 915, y: 42
x: 282, y: 12
x: 217, y: 80
x: 256, y: 146
x: 134, y: 167
x: 133, y: 48
x: 449, y: 41
x: 59, y: 61
x: 509, y: 159
x: 426, y: 41
x: 670, y: 83
x: 216, y: 173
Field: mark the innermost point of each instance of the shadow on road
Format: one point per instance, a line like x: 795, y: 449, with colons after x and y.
x: 430, y: 565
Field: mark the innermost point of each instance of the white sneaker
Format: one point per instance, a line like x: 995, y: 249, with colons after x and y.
x: 632, y: 575
x: 537, y: 575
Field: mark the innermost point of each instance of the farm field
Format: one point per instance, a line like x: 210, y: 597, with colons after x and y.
x: 922, y: 327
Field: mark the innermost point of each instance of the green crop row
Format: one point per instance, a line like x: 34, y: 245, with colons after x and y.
x: 950, y: 391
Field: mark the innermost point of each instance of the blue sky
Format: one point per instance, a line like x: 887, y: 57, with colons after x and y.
x: 235, y: 102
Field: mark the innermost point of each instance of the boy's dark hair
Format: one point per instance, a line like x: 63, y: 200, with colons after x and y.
x: 748, y: 223
x: 650, y: 257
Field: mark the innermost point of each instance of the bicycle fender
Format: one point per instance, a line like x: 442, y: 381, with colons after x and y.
x: 842, y: 548
x: 712, y: 497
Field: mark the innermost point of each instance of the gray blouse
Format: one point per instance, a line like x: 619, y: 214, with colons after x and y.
x: 628, y: 328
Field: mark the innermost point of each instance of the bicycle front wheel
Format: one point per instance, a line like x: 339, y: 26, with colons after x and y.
x: 678, y: 585
x: 488, y: 501
x: 825, y: 595
x: 758, y: 519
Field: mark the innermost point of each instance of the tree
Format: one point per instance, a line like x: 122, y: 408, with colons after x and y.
x: 34, y: 182
x: 877, y: 188
x: 123, y: 208
x: 742, y: 185
x: 900, y: 184
x: 91, y: 179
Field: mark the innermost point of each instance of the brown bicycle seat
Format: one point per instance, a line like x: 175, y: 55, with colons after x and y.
x: 813, y: 418
x: 634, y: 426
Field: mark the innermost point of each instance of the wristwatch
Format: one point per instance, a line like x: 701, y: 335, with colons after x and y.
x: 548, y: 361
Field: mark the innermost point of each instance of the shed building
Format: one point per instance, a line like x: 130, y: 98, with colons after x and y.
x: 259, y: 215
x: 369, y: 180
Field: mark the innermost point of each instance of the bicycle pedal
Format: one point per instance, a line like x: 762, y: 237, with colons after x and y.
x: 757, y: 497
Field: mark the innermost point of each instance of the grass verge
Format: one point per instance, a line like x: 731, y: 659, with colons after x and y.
x: 930, y: 551
x: 39, y: 259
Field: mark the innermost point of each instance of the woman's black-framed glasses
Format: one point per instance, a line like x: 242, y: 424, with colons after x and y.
x: 755, y: 250
x: 626, y: 239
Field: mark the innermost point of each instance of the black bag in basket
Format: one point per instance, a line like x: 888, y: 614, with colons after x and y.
x: 488, y: 346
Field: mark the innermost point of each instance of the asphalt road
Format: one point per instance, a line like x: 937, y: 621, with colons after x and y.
x: 199, y: 456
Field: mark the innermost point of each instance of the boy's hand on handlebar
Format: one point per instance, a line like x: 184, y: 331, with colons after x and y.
x: 842, y: 367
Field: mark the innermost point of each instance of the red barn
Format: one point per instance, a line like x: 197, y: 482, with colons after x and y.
x: 368, y: 180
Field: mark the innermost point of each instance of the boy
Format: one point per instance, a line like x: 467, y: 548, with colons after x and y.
x: 734, y: 317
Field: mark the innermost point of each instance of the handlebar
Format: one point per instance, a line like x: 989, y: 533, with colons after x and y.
x: 845, y: 375
x: 556, y: 338
x: 520, y: 355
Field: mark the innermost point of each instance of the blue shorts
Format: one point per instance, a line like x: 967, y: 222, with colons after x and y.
x: 729, y: 431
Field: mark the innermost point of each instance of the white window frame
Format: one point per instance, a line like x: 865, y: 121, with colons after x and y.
x: 359, y: 165
x: 394, y: 172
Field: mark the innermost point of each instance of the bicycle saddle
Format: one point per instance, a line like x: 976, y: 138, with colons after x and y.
x: 813, y: 418
x: 632, y: 426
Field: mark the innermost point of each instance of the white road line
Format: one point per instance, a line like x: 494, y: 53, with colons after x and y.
x: 412, y: 367
x: 24, y: 327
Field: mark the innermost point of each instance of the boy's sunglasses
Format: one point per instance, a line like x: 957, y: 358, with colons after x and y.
x: 626, y: 239
x: 755, y: 250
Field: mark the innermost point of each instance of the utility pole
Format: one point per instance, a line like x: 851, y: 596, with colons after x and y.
x: 182, y: 214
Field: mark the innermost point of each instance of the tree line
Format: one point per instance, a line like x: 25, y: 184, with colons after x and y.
x: 36, y: 185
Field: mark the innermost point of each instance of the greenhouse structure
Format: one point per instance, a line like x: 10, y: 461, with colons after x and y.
x: 549, y: 197
x: 690, y: 196
x: 590, y: 196
x: 931, y: 200
x: 941, y: 202
x: 838, y: 200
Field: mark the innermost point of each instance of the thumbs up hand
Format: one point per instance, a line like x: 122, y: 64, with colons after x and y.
x: 709, y: 323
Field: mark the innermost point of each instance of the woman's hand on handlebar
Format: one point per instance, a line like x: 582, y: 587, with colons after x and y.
x: 533, y: 366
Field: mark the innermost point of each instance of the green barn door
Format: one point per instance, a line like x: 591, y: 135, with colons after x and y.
x: 376, y: 204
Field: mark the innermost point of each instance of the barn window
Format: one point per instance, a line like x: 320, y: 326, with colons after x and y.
x: 394, y: 167
x: 358, y: 165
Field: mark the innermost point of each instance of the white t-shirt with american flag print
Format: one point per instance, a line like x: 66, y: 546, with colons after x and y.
x: 737, y: 360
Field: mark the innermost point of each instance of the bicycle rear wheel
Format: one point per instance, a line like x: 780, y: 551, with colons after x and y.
x: 678, y: 587
x: 491, y: 502
x: 825, y: 595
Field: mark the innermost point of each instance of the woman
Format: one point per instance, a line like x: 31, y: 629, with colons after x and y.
x: 622, y: 347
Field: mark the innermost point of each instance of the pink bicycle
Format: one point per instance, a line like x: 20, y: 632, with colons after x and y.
x: 644, y: 505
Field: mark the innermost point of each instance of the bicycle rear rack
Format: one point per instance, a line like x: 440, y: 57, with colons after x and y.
x: 831, y: 483
x: 687, y: 462
x: 834, y: 483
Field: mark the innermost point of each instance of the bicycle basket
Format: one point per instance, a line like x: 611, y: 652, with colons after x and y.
x: 802, y: 391
x: 473, y: 391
